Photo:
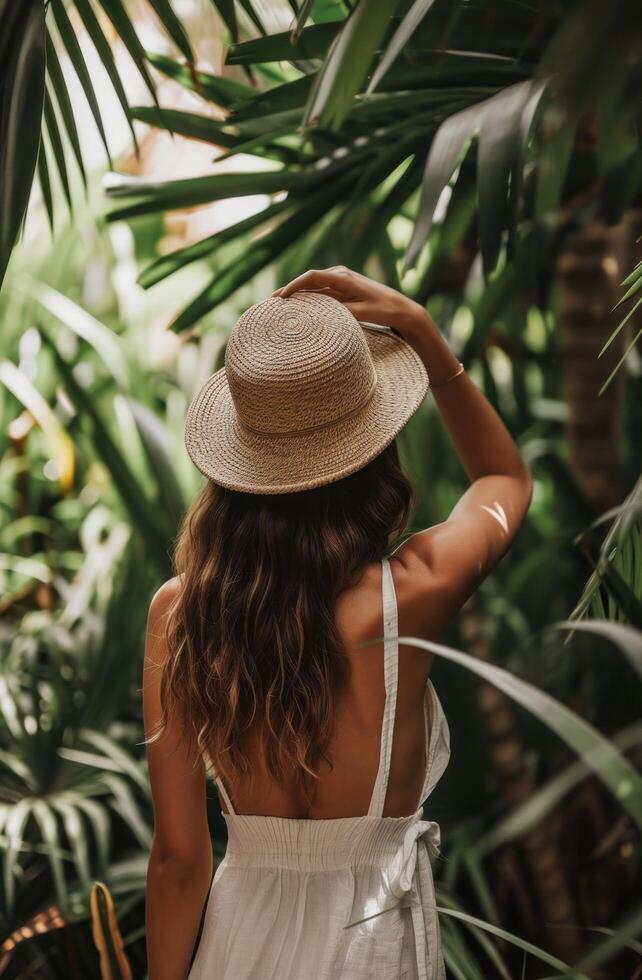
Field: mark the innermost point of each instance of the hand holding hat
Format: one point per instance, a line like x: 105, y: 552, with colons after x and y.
x: 367, y: 300
x: 306, y: 396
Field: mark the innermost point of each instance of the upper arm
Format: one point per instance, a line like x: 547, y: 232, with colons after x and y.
x: 176, y: 770
x: 452, y: 558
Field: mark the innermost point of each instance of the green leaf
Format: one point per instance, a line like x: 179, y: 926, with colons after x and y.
x: 400, y: 38
x: 145, y: 518
x: 76, y: 837
x: 501, y: 140
x: 77, y: 60
x: 526, y: 124
x: 174, y: 27
x: 266, y: 145
x: 379, y: 216
x: 447, y: 150
x: 56, y: 145
x: 118, y: 755
x: 99, y: 821
x: 105, y: 53
x: 106, y: 343
x: 631, y: 291
x: 480, y: 936
x: 287, y: 98
x: 45, y: 185
x: 59, y: 86
x: 347, y: 63
x: 447, y: 236
x: 159, y: 454
x: 248, y: 7
x: 227, y: 13
x: 117, y: 14
x: 514, y: 940
x: 13, y: 831
x: 268, y: 126
x: 627, y: 930
x: 92, y: 759
x: 623, y: 594
x: 10, y: 17
x: 553, y: 161
x: 628, y: 349
x: 214, y: 88
x: 616, y: 772
x: 189, y: 124
x: 302, y: 19
x: 166, y: 265
x: 313, y: 42
x: 626, y: 638
x: 629, y: 513
x: 125, y: 804
x: 635, y: 276
x: 59, y: 444
x: 157, y: 196
x: 20, y: 120
x: 259, y: 255
x: 537, y: 807
x: 51, y: 837
x: 29, y: 567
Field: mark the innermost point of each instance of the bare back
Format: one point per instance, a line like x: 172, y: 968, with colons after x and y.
x: 345, y: 789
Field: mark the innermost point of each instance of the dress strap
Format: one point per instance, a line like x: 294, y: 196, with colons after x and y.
x: 390, y: 673
x: 222, y: 792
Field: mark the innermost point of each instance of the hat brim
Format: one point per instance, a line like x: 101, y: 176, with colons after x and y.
x: 231, y: 455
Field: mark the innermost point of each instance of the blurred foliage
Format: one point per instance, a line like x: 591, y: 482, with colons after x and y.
x: 457, y: 151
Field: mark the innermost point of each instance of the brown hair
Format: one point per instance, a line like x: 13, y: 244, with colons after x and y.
x: 252, y: 627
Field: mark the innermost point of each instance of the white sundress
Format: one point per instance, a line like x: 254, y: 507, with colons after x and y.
x: 350, y: 898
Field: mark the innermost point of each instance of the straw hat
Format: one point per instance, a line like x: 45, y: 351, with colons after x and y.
x: 307, y: 396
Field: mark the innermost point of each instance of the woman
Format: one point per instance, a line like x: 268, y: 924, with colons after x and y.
x: 324, y: 745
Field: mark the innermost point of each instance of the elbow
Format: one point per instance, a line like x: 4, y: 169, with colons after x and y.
x: 523, y: 493
x: 177, y: 870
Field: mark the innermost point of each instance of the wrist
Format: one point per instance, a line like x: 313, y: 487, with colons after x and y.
x: 419, y: 330
x: 414, y: 323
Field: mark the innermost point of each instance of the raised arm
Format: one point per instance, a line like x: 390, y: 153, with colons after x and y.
x: 456, y: 555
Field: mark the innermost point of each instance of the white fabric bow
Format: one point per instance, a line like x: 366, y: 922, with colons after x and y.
x: 404, y: 863
x: 402, y: 871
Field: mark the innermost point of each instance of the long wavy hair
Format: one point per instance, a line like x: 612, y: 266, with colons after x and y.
x: 251, y: 630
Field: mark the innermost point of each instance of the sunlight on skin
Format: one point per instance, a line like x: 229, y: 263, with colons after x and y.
x: 498, y: 512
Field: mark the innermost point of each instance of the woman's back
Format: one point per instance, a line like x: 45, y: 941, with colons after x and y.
x: 345, y: 787
x: 312, y: 890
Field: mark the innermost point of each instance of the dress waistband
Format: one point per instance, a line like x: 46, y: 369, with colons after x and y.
x: 314, y: 845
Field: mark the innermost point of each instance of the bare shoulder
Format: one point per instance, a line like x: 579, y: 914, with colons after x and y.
x: 163, y: 598
x: 159, y: 607
x: 420, y: 590
x: 357, y: 610
x: 427, y: 595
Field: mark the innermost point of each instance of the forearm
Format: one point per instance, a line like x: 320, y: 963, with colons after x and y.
x: 175, y: 897
x: 481, y: 440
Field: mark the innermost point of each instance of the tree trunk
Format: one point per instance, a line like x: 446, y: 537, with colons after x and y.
x: 541, y: 843
x: 589, y: 274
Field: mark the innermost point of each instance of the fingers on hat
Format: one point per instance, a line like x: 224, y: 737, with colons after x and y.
x: 314, y: 279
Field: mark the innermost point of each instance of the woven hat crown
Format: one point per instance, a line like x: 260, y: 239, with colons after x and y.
x: 298, y: 364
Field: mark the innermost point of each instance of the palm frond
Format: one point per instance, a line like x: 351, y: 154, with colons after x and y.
x: 23, y: 84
